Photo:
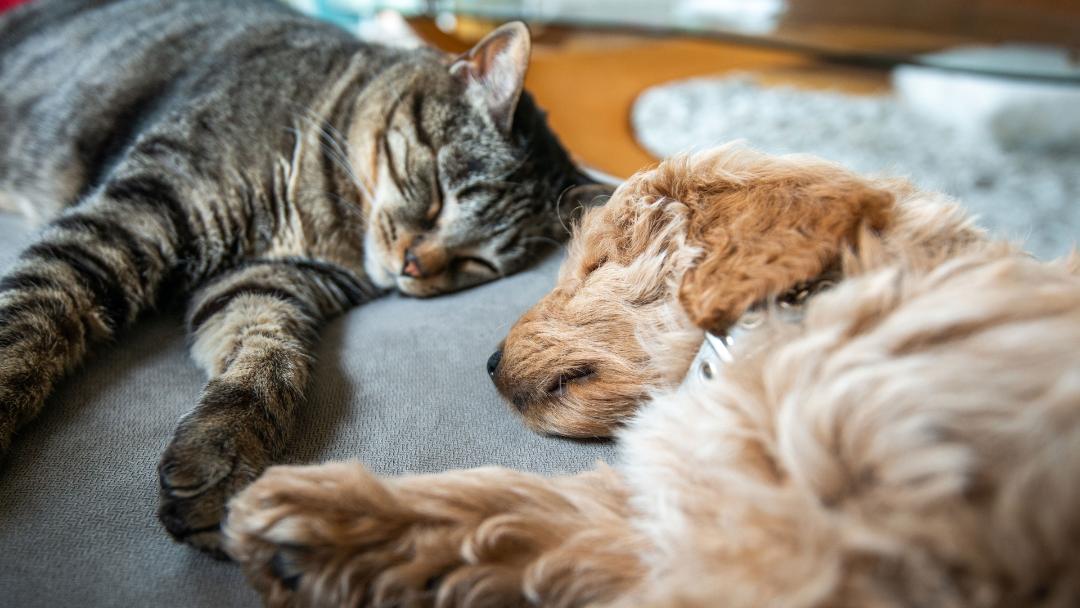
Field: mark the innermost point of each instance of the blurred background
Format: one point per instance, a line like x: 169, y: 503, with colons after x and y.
x: 978, y: 98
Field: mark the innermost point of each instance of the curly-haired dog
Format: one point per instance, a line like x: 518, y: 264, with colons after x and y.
x: 909, y: 436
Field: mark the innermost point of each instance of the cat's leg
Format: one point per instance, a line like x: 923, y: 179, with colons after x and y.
x: 90, y: 273
x: 252, y: 330
x: 336, y: 535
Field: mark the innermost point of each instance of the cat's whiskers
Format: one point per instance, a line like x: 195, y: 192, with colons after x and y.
x: 347, y: 167
x: 350, y: 206
x: 502, y: 182
x: 339, y: 155
x: 510, y: 172
x: 335, y: 148
x: 542, y: 239
x: 558, y: 210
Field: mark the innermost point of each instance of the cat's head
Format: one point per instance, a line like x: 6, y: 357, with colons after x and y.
x: 469, y: 183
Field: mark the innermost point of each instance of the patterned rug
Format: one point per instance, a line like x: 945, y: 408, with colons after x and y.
x: 1023, y: 187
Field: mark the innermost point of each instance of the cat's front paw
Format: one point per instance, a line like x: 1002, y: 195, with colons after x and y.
x: 8, y: 427
x: 7, y: 434
x: 208, y: 461
x: 20, y: 399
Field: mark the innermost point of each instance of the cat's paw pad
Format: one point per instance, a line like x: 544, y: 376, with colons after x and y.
x: 201, y: 470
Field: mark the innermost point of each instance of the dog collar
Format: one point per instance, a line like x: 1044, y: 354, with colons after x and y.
x: 716, y: 349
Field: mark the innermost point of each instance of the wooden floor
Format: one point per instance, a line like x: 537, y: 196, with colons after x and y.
x: 588, y: 83
x: 588, y: 80
x: 589, y: 87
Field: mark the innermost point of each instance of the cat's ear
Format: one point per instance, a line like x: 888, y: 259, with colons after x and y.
x: 494, y: 71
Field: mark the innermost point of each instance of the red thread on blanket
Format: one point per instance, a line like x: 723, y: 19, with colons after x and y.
x: 6, y: 4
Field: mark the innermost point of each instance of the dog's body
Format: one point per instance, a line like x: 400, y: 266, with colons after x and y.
x: 909, y: 438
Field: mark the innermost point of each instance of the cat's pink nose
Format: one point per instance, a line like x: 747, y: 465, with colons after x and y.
x: 423, y: 259
x: 412, y: 266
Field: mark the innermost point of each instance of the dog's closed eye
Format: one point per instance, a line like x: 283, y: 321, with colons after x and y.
x: 559, y: 385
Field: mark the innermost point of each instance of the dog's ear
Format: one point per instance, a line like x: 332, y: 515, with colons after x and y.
x: 576, y: 200
x: 763, y: 239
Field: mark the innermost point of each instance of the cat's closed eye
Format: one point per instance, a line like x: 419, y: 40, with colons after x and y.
x: 438, y: 198
x: 474, y: 265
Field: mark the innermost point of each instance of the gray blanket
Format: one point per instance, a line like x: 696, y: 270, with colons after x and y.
x: 400, y: 385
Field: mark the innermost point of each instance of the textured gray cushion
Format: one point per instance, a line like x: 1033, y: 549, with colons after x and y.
x: 400, y: 385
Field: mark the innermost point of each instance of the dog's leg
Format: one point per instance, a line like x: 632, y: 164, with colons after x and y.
x: 336, y: 535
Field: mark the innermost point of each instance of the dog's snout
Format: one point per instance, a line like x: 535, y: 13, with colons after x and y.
x: 493, y: 362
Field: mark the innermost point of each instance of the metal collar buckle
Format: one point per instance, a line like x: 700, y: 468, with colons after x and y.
x: 716, y: 349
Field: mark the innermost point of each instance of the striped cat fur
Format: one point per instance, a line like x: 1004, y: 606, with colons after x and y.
x: 263, y: 170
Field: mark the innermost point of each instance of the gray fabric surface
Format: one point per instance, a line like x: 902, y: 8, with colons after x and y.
x: 400, y: 385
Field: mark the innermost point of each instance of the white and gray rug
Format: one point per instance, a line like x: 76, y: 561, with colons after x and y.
x: 1020, y: 189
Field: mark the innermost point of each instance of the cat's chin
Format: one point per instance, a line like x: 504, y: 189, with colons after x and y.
x: 381, y: 278
x: 438, y: 285
x: 377, y: 273
x: 384, y: 279
x: 420, y: 288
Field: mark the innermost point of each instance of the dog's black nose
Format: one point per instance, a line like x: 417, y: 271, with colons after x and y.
x: 493, y: 362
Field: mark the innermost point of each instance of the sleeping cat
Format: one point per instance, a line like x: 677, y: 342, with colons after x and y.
x: 267, y: 171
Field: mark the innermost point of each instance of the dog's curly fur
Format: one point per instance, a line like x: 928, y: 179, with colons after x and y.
x: 690, y: 245
x: 912, y: 441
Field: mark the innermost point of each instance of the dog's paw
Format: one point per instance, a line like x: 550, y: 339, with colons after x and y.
x: 205, y: 465
x: 336, y: 535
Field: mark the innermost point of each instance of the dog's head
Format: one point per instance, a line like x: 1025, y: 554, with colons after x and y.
x: 687, y: 246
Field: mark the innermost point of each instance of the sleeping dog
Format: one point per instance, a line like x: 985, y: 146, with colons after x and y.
x: 828, y: 391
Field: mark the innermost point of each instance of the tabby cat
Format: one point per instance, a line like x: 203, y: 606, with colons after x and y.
x: 268, y: 172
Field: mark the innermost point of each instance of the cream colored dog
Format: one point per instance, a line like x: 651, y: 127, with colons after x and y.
x: 898, y: 423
